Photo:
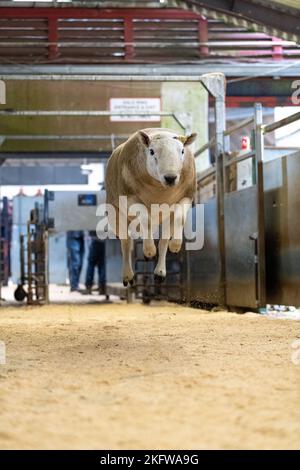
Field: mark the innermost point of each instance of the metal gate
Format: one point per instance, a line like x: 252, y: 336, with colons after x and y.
x: 34, y: 261
x: 244, y: 234
x: 251, y: 250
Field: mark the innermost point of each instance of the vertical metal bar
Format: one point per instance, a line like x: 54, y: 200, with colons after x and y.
x: 277, y: 51
x: 259, y: 156
x: 22, y: 260
x: 128, y: 38
x: 215, y: 84
x: 203, y: 36
x: 4, y: 242
x: 5, y: 228
x: 52, y: 38
x: 29, y: 266
x: 46, y: 258
x: 220, y: 126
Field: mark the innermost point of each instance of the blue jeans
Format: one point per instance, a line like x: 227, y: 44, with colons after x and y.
x: 96, y: 259
x: 75, y: 248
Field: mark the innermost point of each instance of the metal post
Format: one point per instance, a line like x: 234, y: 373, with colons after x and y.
x: 29, y: 265
x: 46, y: 267
x: 215, y: 84
x: 220, y: 125
x: 259, y: 155
x: 22, y: 260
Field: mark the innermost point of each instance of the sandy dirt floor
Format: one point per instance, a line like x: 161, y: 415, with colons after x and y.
x: 162, y: 377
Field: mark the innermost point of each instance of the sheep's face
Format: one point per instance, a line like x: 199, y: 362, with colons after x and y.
x: 165, y: 156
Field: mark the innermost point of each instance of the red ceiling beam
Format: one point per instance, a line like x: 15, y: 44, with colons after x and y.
x: 90, y: 13
x: 248, y: 101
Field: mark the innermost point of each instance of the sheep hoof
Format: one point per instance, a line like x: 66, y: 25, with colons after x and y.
x: 175, y: 245
x: 127, y: 281
x: 149, y: 250
x: 158, y: 278
x: 148, y: 258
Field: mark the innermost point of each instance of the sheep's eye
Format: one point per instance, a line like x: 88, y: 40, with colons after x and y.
x: 182, y: 151
x: 151, y: 152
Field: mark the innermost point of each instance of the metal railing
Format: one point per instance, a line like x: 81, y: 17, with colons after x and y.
x: 178, y: 118
x: 281, y: 123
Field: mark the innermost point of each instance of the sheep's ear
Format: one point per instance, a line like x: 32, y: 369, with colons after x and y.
x: 188, y: 139
x: 145, y: 138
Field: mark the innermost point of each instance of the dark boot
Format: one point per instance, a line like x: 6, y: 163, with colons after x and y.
x: 102, y: 289
x: 87, y: 291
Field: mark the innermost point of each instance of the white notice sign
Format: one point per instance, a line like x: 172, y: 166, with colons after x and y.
x: 140, y: 109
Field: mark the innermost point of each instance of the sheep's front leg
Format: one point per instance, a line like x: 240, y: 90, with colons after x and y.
x: 140, y: 211
x: 180, y: 213
x: 128, y: 274
x: 160, y: 269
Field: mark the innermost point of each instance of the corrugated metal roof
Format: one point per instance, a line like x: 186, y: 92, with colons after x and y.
x: 280, y: 18
x: 128, y: 3
x: 156, y: 36
x: 286, y: 3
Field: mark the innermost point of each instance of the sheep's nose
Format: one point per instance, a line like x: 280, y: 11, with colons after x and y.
x: 170, y: 179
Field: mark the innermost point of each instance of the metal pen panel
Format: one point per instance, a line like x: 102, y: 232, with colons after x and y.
x: 205, y: 278
x: 282, y: 208
x: 240, y: 241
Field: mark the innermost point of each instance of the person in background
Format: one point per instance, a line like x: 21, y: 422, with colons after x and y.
x: 75, y: 249
x: 96, y: 258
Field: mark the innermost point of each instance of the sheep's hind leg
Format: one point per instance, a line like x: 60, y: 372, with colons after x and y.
x: 128, y: 274
x: 179, y: 219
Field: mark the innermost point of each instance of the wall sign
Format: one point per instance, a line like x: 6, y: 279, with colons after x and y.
x: 136, y: 106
